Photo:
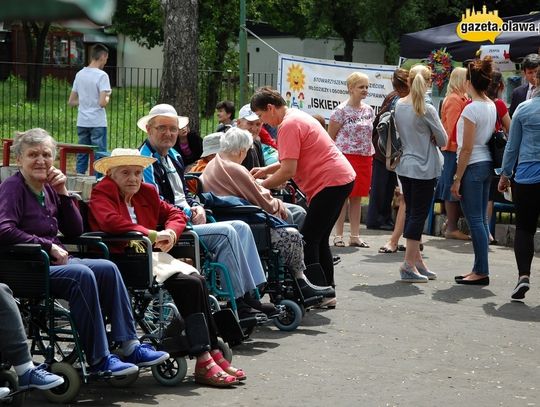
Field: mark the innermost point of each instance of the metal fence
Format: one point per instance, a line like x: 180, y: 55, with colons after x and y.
x: 135, y: 91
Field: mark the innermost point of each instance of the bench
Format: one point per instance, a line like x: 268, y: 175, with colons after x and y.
x: 63, y: 150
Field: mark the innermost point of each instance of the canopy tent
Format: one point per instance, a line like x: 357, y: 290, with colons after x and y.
x: 99, y: 11
x: 419, y: 44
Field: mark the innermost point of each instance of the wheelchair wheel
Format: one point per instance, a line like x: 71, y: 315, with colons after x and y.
x: 171, y: 372
x: 225, y: 350
x: 292, y: 318
x: 123, y: 381
x: 9, y: 379
x: 72, y: 383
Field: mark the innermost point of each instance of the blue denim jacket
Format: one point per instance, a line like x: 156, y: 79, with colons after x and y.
x: 524, y: 138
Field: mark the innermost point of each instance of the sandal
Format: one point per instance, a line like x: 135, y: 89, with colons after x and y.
x: 355, y: 241
x: 227, y: 367
x: 209, y: 373
x: 338, y: 241
x: 387, y: 249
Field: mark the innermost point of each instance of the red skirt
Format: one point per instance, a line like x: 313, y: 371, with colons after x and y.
x: 362, y: 166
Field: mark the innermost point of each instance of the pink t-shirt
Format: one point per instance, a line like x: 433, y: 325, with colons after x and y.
x: 355, y: 134
x: 319, y: 162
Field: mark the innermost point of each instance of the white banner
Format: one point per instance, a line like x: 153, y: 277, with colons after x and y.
x: 318, y: 86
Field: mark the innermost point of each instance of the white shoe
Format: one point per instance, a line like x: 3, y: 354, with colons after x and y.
x: 4, y: 391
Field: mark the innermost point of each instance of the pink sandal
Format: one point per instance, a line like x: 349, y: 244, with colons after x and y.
x: 227, y: 367
x: 209, y: 373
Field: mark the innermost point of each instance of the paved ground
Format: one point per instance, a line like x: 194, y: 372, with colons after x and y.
x: 386, y: 344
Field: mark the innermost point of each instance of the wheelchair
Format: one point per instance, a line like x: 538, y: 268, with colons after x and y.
x: 50, y: 328
x: 282, y: 286
x: 156, y: 314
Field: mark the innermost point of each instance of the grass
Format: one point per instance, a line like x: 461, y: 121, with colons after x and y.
x: 53, y: 113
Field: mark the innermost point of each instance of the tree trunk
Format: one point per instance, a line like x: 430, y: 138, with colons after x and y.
x: 349, y: 46
x: 216, y: 76
x: 35, y: 37
x: 180, y: 58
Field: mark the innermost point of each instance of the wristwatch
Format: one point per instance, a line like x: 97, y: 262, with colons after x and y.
x: 456, y: 178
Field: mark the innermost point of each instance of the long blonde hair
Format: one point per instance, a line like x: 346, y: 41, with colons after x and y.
x: 419, y: 82
x: 457, y: 81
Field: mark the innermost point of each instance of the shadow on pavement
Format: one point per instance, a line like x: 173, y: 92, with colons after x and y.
x: 393, y: 290
x: 515, y: 310
x: 252, y: 347
x: 455, y: 294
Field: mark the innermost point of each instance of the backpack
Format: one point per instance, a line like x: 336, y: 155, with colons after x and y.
x: 389, y: 142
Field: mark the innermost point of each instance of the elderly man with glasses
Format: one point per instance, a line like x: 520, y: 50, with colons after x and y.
x: 231, y: 242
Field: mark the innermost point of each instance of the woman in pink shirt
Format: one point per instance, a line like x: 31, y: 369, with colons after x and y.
x: 311, y: 158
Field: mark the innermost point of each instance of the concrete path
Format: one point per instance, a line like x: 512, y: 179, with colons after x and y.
x: 386, y: 344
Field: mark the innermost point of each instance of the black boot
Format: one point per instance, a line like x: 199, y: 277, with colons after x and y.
x: 268, y: 308
x: 309, y: 290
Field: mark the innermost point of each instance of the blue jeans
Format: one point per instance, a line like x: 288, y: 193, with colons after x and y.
x: 90, y: 286
x: 232, y: 244
x: 475, y: 193
x: 96, y: 136
x: 13, y: 344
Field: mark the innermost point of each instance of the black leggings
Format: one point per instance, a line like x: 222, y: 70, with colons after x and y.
x: 526, y: 199
x: 418, y: 196
x: 190, y: 295
x: 322, y: 214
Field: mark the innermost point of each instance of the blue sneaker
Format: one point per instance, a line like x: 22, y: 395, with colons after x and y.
x: 145, y: 355
x: 39, y: 378
x: 113, y: 366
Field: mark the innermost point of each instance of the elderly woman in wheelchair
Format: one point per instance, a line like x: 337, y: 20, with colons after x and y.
x: 34, y: 207
x: 225, y: 175
x: 122, y: 203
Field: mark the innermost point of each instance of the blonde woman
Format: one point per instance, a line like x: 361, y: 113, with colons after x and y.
x: 421, y: 131
x: 351, y: 126
x: 452, y: 106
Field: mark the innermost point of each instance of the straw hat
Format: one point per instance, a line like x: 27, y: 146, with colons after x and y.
x: 210, y: 144
x: 162, y: 110
x: 122, y: 156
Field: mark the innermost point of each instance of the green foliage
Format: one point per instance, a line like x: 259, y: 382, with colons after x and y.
x: 141, y: 20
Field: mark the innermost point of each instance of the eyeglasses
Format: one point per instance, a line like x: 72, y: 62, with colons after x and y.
x: 163, y: 129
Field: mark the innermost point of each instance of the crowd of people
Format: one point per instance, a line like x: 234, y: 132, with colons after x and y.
x: 445, y: 156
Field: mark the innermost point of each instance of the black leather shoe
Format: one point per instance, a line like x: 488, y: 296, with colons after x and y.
x: 268, y: 308
x: 459, y: 278
x: 336, y: 259
x: 481, y: 281
x: 309, y: 290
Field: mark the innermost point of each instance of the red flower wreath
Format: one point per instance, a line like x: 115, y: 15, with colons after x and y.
x: 440, y: 62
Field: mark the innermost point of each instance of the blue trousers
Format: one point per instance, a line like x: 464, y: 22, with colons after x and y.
x: 13, y: 344
x: 232, y: 244
x: 94, y: 289
x: 475, y: 185
x: 96, y: 136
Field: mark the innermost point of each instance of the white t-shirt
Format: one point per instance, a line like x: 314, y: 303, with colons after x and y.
x: 88, y: 84
x: 484, y: 115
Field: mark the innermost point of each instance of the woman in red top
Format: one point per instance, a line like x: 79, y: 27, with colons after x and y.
x: 121, y: 203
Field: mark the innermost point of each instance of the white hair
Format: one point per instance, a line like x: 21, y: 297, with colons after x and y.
x: 234, y: 140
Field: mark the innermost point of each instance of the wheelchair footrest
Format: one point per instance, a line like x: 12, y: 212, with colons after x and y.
x: 228, y: 327
x: 312, y: 301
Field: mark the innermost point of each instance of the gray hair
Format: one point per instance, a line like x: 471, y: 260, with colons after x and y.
x: 234, y: 140
x: 32, y: 137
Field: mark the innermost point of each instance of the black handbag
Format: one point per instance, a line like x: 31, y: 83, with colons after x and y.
x: 497, y: 144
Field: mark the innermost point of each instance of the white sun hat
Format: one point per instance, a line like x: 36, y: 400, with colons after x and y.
x: 162, y: 110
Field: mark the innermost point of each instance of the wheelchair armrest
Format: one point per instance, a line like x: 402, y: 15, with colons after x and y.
x: 115, y: 237
x: 82, y: 239
x: 21, y: 248
x: 238, y: 210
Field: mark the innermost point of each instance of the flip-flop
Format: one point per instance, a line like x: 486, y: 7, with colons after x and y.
x: 385, y: 249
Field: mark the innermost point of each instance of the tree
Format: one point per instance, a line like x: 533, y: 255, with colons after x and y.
x: 35, y: 35
x: 180, y: 57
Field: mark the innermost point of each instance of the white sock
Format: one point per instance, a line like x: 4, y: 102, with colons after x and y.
x: 128, y: 347
x: 22, y: 369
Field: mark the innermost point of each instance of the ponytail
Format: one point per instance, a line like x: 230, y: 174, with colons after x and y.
x: 420, y: 79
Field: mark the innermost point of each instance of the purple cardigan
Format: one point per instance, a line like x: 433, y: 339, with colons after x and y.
x: 24, y: 220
